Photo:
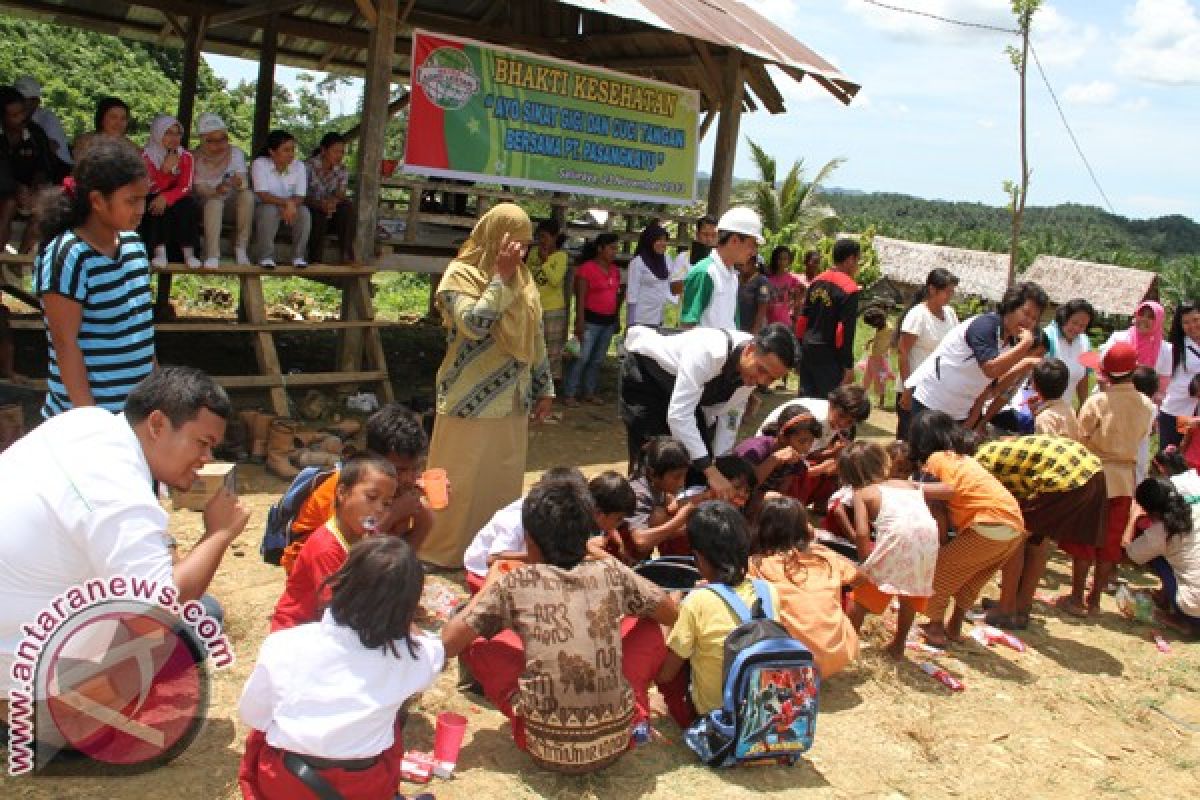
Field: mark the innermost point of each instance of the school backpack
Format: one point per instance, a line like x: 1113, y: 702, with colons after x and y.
x: 277, y: 534
x: 769, y: 689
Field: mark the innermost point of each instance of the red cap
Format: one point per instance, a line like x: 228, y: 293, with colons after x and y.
x: 1120, y: 360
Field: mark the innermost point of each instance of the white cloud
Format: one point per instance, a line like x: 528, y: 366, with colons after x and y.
x: 1137, y: 104
x: 1095, y: 93
x: 1060, y: 40
x: 1164, y: 46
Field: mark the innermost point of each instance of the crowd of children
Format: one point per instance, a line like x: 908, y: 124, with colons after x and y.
x: 570, y: 623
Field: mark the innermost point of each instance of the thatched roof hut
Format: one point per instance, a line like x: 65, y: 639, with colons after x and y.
x: 1112, y: 290
x: 906, y: 264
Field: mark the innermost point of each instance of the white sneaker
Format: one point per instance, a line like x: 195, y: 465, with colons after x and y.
x: 240, y: 258
x: 211, y: 263
x: 192, y: 262
x: 299, y: 263
x: 160, y: 257
x: 267, y: 263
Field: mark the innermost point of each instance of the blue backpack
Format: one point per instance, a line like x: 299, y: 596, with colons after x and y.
x: 277, y: 534
x: 770, y: 690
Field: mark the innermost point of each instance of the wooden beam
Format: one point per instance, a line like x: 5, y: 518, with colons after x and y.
x: 376, y: 94
x: 175, y: 24
x: 707, y: 123
x: 265, y: 90
x: 368, y: 11
x: 253, y: 11
x: 725, y: 150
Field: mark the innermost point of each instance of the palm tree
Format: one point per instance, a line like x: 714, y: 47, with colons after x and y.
x: 791, y: 210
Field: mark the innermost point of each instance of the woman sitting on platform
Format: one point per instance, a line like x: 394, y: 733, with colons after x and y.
x: 222, y: 184
x: 281, y: 183
x: 327, y: 185
x: 172, y: 216
x: 111, y: 121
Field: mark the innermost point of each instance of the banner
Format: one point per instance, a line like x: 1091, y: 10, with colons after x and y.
x: 491, y: 114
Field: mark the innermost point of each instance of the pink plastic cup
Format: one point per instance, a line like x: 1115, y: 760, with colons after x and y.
x: 448, y: 736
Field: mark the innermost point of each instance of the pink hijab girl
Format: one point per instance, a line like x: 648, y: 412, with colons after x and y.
x: 1146, y: 336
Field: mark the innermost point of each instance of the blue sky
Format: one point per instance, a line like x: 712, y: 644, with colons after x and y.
x: 937, y: 115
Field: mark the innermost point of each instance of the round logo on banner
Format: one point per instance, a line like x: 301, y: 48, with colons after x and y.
x: 125, y: 684
x: 448, y: 79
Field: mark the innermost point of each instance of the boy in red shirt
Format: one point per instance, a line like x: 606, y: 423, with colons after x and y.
x: 365, y: 487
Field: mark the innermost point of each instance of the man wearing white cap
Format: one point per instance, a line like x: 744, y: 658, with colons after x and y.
x: 31, y: 90
x: 711, y: 287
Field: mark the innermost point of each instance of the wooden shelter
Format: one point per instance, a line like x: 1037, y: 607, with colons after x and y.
x: 906, y: 264
x: 721, y: 48
x: 1112, y: 290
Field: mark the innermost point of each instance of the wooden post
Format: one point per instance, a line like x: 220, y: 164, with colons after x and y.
x: 265, y: 90
x: 197, y: 26
x: 732, y: 91
x: 376, y: 92
x: 381, y: 49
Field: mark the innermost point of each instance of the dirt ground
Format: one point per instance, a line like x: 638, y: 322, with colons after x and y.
x: 1091, y: 709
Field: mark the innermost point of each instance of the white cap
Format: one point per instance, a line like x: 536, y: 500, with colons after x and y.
x: 28, y: 87
x: 209, y: 122
x: 741, y: 220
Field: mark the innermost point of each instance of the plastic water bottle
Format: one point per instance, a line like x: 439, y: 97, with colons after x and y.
x: 641, y: 734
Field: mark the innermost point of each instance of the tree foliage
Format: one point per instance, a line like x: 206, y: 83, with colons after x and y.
x: 78, y: 67
x: 792, y: 210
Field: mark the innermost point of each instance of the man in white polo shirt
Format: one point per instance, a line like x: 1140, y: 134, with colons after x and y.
x: 78, y: 501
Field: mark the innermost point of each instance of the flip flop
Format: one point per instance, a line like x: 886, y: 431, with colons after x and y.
x: 1068, y: 605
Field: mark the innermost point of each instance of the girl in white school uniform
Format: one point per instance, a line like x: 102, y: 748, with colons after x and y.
x: 325, y: 699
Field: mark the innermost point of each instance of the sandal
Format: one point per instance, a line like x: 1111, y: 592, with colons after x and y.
x: 1008, y: 622
x: 1069, y: 605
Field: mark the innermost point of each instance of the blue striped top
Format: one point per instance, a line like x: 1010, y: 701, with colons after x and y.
x: 116, y: 334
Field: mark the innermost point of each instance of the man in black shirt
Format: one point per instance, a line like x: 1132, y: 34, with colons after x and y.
x: 828, y: 323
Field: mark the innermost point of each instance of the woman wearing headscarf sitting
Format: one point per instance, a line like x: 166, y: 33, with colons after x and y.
x: 223, y: 186
x: 494, y: 376
x: 172, y: 216
x: 649, y: 279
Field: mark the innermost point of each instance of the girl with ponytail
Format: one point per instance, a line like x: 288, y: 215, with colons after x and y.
x: 93, y: 277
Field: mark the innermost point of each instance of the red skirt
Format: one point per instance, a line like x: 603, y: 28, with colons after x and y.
x: 263, y: 776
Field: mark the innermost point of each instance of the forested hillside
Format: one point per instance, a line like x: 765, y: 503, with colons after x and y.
x: 1069, y: 230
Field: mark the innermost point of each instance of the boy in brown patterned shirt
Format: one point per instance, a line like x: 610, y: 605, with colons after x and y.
x: 572, y: 644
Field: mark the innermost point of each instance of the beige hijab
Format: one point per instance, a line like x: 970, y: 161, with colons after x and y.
x: 516, y: 332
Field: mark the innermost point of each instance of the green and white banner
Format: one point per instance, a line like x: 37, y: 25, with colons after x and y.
x: 485, y: 113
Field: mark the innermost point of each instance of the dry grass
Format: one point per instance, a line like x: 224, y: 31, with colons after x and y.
x: 1071, y: 718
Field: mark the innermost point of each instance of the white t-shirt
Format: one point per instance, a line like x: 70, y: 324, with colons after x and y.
x: 952, y: 378
x: 318, y: 692
x: 722, y: 307
x: 77, y: 504
x: 928, y: 329
x: 820, y: 412
x: 647, y: 293
x: 47, y: 120
x: 1177, y: 402
x: 1181, y: 552
x: 1069, y: 353
x: 695, y: 357
x: 503, y: 533
x: 293, y: 182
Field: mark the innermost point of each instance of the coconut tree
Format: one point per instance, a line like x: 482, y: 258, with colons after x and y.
x: 791, y: 209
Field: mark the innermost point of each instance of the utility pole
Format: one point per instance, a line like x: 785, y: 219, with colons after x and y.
x: 1024, y: 11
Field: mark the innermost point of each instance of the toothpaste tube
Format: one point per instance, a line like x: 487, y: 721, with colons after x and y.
x: 941, y: 676
x: 1162, y: 644
x: 997, y: 636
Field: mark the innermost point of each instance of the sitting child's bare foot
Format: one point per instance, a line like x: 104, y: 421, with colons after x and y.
x: 935, y: 634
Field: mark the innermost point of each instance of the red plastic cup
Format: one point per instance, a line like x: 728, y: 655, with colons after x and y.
x: 448, y: 736
x: 436, y: 484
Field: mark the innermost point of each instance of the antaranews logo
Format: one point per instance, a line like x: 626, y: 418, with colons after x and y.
x: 116, y: 669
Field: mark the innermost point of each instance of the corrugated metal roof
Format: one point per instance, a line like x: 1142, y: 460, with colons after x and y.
x: 730, y: 24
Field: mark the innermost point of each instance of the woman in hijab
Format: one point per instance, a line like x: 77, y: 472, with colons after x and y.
x: 223, y: 186
x: 494, y: 377
x: 172, y: 216
x: 1146, y: 336
x: 649, y: 279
